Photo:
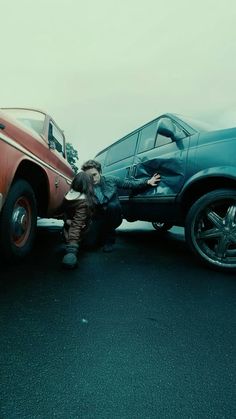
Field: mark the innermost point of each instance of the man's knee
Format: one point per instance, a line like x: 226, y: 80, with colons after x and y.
x: 113, y: 214
x: 113, y: 208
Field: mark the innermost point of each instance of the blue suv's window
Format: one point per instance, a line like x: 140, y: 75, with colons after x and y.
x: 147, y: 137
x: 162, y: 140
x: 101, y: 158
x: 122, y: 149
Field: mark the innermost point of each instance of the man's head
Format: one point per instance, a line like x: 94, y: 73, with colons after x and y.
x: 94, y: 169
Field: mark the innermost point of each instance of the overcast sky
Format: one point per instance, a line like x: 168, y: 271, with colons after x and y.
x: 103, y: 68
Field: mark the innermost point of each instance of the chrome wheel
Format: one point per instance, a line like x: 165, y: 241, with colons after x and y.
x: 21, y: 221
x: 211, y: 228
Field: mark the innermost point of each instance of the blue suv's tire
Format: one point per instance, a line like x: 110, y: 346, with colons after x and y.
x: 210, y: 228
x: 162, y: 227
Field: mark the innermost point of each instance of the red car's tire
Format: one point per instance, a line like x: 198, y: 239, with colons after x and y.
x: 18, y: 221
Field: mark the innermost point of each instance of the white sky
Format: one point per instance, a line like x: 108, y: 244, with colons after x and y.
x: 103, y: 68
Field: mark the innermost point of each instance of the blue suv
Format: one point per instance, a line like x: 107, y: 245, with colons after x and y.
x: 198, y: 182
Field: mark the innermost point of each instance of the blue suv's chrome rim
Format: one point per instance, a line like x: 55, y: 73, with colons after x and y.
x: 211, y: 228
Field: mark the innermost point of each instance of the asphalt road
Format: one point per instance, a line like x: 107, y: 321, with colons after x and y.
x: 143, y: 332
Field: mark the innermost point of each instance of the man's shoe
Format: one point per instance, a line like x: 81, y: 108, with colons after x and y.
x: 107, y: 248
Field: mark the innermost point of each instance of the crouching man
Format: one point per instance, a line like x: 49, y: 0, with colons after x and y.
x: 108, y: 214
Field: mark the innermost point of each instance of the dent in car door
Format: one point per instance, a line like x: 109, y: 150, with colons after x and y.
x: 164, y: 156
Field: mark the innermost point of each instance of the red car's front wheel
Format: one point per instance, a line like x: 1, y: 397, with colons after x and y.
x: 18, y: 221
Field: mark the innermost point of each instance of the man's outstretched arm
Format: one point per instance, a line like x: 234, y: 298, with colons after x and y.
x: 137, y: 184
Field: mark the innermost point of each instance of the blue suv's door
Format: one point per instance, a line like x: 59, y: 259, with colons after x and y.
x: 167, y: 156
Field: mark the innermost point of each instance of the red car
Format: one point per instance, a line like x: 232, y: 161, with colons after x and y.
x: 34, y: 176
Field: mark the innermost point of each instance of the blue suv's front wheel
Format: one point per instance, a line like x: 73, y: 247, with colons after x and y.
x: 162, y: 227
x: 210, y: 228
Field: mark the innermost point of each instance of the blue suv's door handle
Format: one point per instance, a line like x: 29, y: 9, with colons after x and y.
x: 127, y: 172
x: 134, y: 170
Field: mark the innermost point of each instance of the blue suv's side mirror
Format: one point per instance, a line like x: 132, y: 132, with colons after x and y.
x: 167, y: 128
